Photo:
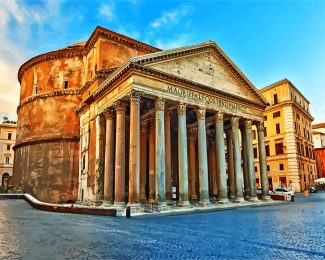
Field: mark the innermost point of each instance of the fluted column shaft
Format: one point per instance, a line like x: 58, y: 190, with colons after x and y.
x: 119, y: 199
x: 192, y: 163
x: 160, y: 151
x: 182, y: 156
x: 109, y: 158
x: 250, y: 160
x: 221, y: 160
x: 143, y: 161
x: 168, y: 166
x: 237, y: 160
x: 202, y: 156
x: 230, y: 162
x: 262, y: 160
x: 134, y: 156
x: 245, y: 170
x: 152, y: 161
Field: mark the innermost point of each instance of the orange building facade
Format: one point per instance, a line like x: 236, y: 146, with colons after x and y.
x: 52, y: 86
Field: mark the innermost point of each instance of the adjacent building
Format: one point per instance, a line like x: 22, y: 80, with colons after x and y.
x: 115, y: 121
x: 319, y: 144
x: 7, y: 142
x: 288, y: 138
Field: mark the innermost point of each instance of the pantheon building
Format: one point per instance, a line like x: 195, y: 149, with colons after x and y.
x: 113, y: 121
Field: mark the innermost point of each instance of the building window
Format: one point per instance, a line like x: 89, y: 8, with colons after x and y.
x: 298, y: 116
x: 7, y: 160
x: 275, y: 99
x: 65, y: 84
x: 265, y: 118
x: 277, y: 127
x: 281, y: 167
x: 9, y: 136
x: 255, y: 152
x: 268, y: 167
x: 255, y: 168
x: 96, y: 68
x: 254, y: 134
x: 278, y: 148
x: 267, y: 150
x: 265, y: 132
x: 8, y: 147
x: 276, y: 114
x: 36, y: 89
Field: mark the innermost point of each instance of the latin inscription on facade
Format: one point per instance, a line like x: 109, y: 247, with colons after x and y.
x: 206, y: 99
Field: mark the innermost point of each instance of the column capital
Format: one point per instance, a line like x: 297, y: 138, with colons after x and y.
x: 109, y: 112
x: 218, y: 117
x: 234, y: 121
x: 135, y: 97
x: 181, y: 109
x: 260, y: 125
x: 143, y: 126
x: 120, y: 106
x: 160, y: 103
x: 248, y: 124
x: 200, y: 113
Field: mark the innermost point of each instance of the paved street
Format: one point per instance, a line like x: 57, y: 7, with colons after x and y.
x: 292, y: 231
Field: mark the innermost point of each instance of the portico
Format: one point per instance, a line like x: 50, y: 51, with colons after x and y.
x: 180, y: 118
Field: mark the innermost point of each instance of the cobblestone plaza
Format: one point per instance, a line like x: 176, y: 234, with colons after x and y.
x: 233, y: 234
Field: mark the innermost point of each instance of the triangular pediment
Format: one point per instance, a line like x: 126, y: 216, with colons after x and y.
x: 204, y: 68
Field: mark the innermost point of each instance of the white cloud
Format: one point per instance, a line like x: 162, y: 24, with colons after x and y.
x: 107, y: 12
x: 180, y: 41
x: 171, y: 17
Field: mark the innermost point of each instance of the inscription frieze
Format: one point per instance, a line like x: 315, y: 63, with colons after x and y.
x: 219, y: 104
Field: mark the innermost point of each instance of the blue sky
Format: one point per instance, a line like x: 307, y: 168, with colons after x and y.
x: 267, y: 40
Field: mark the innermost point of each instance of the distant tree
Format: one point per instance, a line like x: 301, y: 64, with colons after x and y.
x: 5, y: 118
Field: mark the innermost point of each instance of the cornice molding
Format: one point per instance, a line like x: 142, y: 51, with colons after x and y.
x: 105, y: 73
x: 102, y: 32
x: 171, y: 78
x: 221, y: 56
x: 65, y: 92
x: 46, y: 140
x: 63, y: 53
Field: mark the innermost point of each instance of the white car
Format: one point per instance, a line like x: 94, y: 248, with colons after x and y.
x: 283, y: 191
x: 259, y: 191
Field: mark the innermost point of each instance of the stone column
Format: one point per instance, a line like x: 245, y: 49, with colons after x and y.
x: 152, y: 162
x: 245, y: 170
x: 168, y: 166
x: 213, y: 163
x: 134, y: 157
x: 203, y: 160
x: 143, y: 160
x: 182, y: 156
x: 192, y: 169
x: 250, y: 160
x: 109, y: 158
x: 230, y: 162
x: 119, y: 200
x: 262, y: 159
x: 237, y: 160
x: 221, y: 160
x: 160, y: 152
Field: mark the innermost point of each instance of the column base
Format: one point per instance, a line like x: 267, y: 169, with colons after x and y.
x: 239, y: 200
x: 266, y: 198
x: 253, y: 199
x: 120, y: 205
x: 204, y: 203
x: 163, y: 206
x: 223, y: 200
x: 184, y: 204
x: 107, y: 204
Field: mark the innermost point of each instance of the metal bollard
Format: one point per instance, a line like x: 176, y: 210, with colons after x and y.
x: 128, y: 212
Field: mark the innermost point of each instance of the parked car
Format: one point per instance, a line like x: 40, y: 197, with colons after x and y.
x: 313, y: 189
x: 283, y: 191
